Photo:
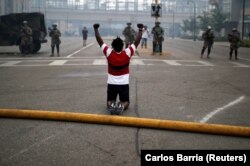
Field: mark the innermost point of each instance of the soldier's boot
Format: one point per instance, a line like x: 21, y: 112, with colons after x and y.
x: 236, y: 55
x: 58, y: 50
x: 230, y: 54
x: 160, y: 48
x: 52, y: 51
x: 153, y: 49
x: 202, y: 51
x: 208, y: 53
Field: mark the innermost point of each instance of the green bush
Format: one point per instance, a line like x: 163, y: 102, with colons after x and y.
x: 245, y: 43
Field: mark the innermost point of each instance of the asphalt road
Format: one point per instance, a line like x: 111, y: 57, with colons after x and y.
x: 176, y: 86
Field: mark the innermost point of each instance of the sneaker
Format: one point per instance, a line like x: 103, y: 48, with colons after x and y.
x: 119, y: 108
x: 112, y: 108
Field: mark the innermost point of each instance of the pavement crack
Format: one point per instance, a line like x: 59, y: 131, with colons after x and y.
x: 100, y: 148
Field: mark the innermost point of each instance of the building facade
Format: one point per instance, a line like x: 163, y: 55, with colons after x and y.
x: 71, y: 15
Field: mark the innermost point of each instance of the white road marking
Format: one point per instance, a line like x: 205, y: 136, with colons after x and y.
x: 216, y: 111
x: 206, y: 63
x: 237, y: 64
x: 172, y: 62
x: 187, y: 63
x: 58, y: 63
x: 10, y: 63
x: 245, y: 59
x: 100, y: 62
x: 70, y: 55
x: 137, y: 62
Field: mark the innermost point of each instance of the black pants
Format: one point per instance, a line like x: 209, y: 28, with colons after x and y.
x: 57, y: 48
x: 114, y: 90
x: 155, y: 44
x: 208, y: 47
x: 235, y: 52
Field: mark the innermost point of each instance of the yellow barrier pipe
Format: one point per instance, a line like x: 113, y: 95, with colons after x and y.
x: 239, y: 131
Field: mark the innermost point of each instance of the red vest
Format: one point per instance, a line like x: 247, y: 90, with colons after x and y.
x: 118, y: 63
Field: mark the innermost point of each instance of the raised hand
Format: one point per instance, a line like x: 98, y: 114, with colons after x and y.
x: 96, y: 26
x: 140, y: 26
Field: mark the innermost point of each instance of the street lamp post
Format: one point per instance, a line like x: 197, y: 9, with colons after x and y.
x: 173, y: 24
x: 174, y: 10
x: 243, y: 18
x: 194, y: 25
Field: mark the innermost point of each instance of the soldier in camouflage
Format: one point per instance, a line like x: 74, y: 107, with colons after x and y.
x: 55, y: 39
x: 158, y: 37
x: 26, y: 38
x: 208, y: 37
x: 234, y: 39
x: 129, y: 34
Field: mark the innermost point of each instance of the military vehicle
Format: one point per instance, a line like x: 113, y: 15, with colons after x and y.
x: 10, y: 26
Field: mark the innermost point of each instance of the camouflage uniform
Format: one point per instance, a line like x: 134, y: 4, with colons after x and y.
x: 208, y: 37
x: 26, y: 38
x: 158, y: 37
x: 129, y: 34
x: 84, y: 35
x: 234, y: 39
x: 55, y: 39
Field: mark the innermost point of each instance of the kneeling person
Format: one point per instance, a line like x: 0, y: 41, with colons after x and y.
x: 118, y: 70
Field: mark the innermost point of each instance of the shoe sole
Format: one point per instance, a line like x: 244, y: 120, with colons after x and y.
x: 112, y: 111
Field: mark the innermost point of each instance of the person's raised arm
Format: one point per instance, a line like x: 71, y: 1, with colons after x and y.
x: 97, y: 34
x: 139, y: 35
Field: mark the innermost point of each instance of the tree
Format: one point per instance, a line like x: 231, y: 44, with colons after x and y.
x: 215, y: 19
x: 219, y: 20
x: 188, y: 25
x: 204, y: 21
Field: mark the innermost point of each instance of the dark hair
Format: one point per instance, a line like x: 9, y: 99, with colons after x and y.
x: 117, y: 44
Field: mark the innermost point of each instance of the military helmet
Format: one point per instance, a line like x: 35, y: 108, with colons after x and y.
x: 54, y: 24
x: 129, y: 23
x: 25, y: 22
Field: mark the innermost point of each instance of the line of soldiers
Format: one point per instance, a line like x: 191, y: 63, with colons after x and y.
x: 158, y: 36
x: 233, y: 38
x: 26, y: 38
x: 129, y: 34
x: 55, y: 35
